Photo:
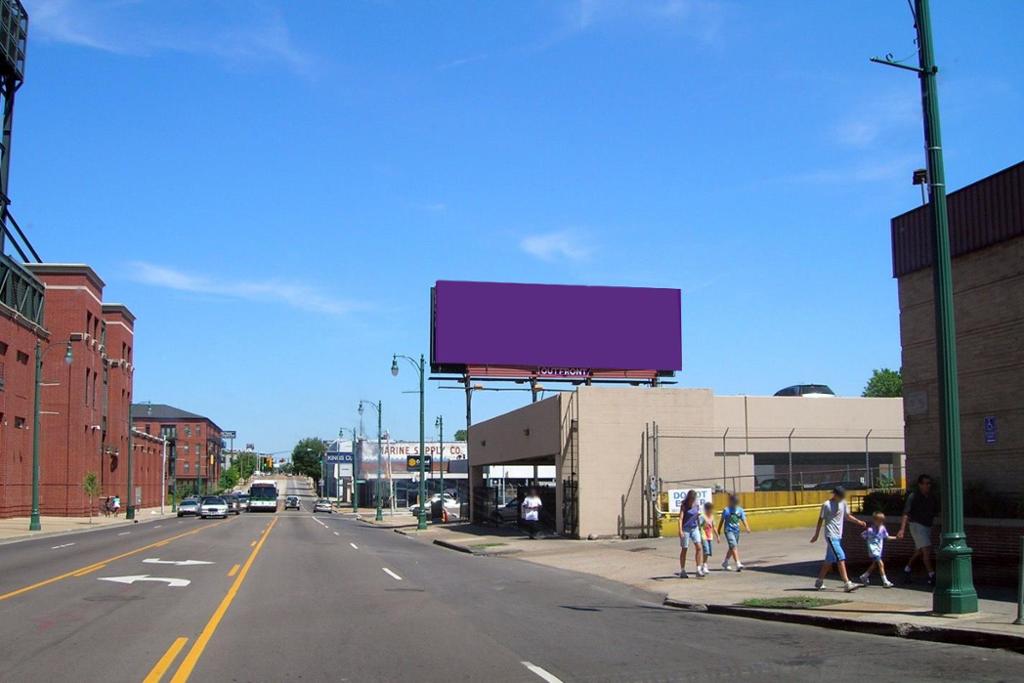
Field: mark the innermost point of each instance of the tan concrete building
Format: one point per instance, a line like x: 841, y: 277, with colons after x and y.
x: 986, y: 221
x: 614, y: 449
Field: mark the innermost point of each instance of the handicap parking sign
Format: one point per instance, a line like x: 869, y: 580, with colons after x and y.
x: 991, y: 433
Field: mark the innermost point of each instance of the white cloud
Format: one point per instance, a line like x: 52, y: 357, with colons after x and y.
x: 292, y: 294
x: 877, y: 118
x: 246, y: 33
x: 554, y: 246
x: 701, y: 19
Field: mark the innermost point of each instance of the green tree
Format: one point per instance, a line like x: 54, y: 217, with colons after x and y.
x: 229, y: 478
x: 884, y: 383
x: 307, y: 457
x: 91, y: 486
x: 460, y: 435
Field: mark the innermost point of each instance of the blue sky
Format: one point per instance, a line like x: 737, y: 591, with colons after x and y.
x: 272, y: 187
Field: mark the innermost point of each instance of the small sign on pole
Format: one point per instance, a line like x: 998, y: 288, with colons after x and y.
x: 991, y: 431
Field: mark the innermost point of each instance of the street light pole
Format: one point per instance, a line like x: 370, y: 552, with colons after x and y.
x: 954, y: 585
x: 439, y: 423
x: 34, y: 523
x: 379, y: 407
x: 422, y: 524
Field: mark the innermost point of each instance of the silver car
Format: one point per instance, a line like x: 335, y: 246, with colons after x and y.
x: 323, y: 505
x: 189, y: 506
x: 213, y: 506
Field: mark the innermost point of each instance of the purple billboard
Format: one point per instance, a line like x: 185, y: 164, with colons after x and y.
x: 555, y: 329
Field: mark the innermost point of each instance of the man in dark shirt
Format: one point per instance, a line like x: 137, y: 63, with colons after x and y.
x: 919, y: 513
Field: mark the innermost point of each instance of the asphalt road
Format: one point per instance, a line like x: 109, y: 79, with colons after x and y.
x: 293, y: 597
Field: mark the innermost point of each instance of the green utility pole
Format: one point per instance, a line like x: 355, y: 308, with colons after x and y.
x: 380, y: 450
x: 355, y: 471
x: 34, y: 523
x: 954, y: 585
x: 129, y: 511
x: 422, y: 524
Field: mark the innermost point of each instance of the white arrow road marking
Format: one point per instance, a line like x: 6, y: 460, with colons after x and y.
x: 541, y: 673
x: 173, y: 583
x: 180, y: 563
x: 390, y: 573
x: 62, y: 545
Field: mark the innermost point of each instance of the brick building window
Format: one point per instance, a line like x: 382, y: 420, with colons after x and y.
x: 198, y: 430
x: 184, y: 449
x: 184, y: 466
x: 19, y: 423
x: 22, y: 357
x: 3, y: 348
x: 87, y: 371
x: 188, y: 431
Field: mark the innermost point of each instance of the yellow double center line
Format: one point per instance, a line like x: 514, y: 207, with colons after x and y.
x: 82, y: 571
x: 196, y: 651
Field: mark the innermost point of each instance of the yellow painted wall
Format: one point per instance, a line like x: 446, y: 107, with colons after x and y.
x: 764, y: 518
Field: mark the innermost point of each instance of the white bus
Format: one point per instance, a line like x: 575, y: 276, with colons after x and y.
x: 263, y: 495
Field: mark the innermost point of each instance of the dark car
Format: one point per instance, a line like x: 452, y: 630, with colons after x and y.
x: 808, y: 390
x: 234, y: 505
x: 291, y: 502
x: 848, y: 485
x: 773, y: 485
x: 509, y: 512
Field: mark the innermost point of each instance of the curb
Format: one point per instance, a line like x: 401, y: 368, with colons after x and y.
x: 73, y: 532
x: 454, y: 546
x: 939, y: 634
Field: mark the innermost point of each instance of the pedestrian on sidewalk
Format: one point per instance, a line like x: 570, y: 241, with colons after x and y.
x: 875, y: 536
x: 689, y: 533
x: 834, y: 512
x: 531, y: 512
x: 919, y: 512
x: 115, y: 504
x: 732, y: 515
x: 708, y: 534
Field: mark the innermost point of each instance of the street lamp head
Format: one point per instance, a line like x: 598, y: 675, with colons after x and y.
x: 437, y: 422
x: 68, y: 355
x: 360, y: 407
x: 394, y: 366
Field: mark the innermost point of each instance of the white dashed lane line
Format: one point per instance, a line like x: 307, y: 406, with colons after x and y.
x: 541, y: 673
x: 62, y: 545
x: 124, y: 533
x: 337, y: 534
x: 354, y: 546
x: 390, y: 573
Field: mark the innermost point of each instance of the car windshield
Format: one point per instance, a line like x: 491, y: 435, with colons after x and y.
x: 213, y: 500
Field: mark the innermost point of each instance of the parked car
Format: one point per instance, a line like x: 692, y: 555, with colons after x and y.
x: 509, y: 512
x: 213, y: 506
x: 323, y: 505
x: 291, y: 502
x: 234, y: 506
x: 243, y: 500
x: 188, y: 506
x: 773, y: 485
x: 450, y: 501
x: 807, y: 391
x: 848, y: 485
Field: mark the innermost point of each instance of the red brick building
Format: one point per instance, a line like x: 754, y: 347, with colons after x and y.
x: 83, y: 413
x: 194, y: 443
x: 21, y: 318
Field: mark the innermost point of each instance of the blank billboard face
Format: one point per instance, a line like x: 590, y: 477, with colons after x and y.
x: 533, y: 326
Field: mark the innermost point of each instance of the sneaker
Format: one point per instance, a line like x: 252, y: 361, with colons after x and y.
x: 725, y: 566
x: 864, y: 578
x: 705, y: 569
x: 682, y: 574
x: 819, y: 584
x: 908, y: 576
x: 739, y: 566
x: 886, y: 583
x: 700, y: 572
x: 850, y: 587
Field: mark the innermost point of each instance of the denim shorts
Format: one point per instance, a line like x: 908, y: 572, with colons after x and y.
x: 732, y: 538
x: 707, y: 546
x: 921, y: 534
x: 834, y: 551
x: 690, y: 536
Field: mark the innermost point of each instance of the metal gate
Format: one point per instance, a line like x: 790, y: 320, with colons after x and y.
x: 638, y: 516
x: 570, y: 470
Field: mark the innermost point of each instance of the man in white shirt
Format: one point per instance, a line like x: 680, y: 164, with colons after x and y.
x: 833, y: 512
x: 531, y: 506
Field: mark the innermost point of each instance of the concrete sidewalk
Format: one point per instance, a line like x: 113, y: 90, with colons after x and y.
x: 778, y: 564
x: 14, y: 529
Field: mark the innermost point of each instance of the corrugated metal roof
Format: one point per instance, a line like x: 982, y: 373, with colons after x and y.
x: 982, y: 214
